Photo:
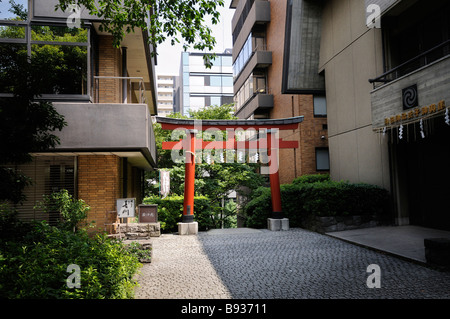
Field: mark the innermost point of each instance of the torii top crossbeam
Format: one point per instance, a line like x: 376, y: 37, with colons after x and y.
x: 270, y: 142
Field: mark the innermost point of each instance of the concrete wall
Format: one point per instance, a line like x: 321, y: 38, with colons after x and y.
x: 350, y: 54
x: 106, y: 127
x: 432, y: 86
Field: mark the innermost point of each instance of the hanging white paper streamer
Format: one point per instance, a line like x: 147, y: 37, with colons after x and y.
x: 384, y: 131
x: 400, y: 132
x: 447, y: 117
x: 421, y: 129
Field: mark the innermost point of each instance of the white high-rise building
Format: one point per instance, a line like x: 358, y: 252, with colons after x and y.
x: 198, y: 87
x: 165, y: 85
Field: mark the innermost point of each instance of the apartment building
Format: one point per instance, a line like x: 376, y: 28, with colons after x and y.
x: 107, y: 96
x: 165, y: 88
x: 275, y: 62
x: 198, y: 86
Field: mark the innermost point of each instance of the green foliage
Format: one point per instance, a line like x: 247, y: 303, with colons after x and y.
x: 170, y: 210
x: 71, y: 210
x: 312, y: 197
x: 176, y: 21
x: 33, y: 263
x: 313, y: 178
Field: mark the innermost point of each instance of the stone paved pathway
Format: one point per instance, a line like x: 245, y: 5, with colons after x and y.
x: 294, y: 264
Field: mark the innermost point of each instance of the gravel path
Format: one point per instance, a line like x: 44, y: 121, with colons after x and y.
x: 294, y: 264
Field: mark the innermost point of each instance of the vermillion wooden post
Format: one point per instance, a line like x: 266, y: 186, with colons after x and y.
x: 189, y: 178
x: 274, y: 177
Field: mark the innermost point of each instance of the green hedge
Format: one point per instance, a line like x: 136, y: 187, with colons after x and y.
x: 318, y: 196
x: 34, y: 259
x: 170, y: 210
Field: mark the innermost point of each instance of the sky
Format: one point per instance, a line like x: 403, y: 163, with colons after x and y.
x: 169, y: 57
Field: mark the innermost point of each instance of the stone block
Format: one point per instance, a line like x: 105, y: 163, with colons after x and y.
x: 275, y: 224
x: 188, y: 228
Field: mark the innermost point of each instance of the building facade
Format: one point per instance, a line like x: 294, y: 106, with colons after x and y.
x: 386, y: 68
x: 198, y: 86
x: 107, y: 97
x: 165, y: 88
x: 275, y: 61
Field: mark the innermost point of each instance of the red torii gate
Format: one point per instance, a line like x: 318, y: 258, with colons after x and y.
x: 271, y: 143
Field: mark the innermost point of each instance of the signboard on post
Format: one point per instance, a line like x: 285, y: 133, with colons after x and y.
x: 125, y: 207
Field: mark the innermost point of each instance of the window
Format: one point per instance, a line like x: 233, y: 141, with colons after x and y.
x: 322, y: 159
x: 19, y: 12
x: 215, y: 81
x: 58, y: 54
x: 215, y: 100
x: 227, y: 81
x: 227, y: 61
x: 320, y: 106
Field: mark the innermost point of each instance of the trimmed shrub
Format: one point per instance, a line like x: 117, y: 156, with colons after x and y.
x: 313, y: 178
x: 170, y: 210
x: 318, y: 196
x: 36, y: 266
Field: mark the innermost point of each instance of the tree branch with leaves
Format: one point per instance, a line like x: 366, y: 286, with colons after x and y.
x: 177, y: 21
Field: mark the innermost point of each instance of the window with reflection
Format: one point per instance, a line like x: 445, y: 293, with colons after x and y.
x: 60, y: 53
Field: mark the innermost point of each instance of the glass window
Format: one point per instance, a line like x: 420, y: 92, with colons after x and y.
x: 185, y: 58
x: 185, y: 78
x: 186, y: 99
x: 215, y: 100
x: 227, y: 81
x: 66, y: 67
x: 12, y: 32
x: 13, y: 55
x: 322, y: 159
x: 14, y: 11
x: 320, y: 106
x: 58, y: 34
x: 227, y: 61
x: 215, y: 80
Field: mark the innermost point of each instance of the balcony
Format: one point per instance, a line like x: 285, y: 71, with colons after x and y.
x: 248, y: 14
x: 430, y: 81
x: 101, y: 128
x: 259, y: 103
x: 258, y: 59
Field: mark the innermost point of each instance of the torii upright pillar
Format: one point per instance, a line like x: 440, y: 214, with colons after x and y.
x: 187, y: 225
x: 277, y: 220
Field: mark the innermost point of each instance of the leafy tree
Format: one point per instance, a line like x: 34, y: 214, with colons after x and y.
x: 169, y: 20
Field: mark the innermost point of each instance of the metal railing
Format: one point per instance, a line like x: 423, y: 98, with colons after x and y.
x: 126, y: 96
x: 413, y: 64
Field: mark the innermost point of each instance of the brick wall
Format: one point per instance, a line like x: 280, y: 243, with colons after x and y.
x: 293, y: 163
x: 99, y: 185
x: 110, y: 61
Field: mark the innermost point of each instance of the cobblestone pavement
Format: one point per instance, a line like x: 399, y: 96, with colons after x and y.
x: 294, y: 264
